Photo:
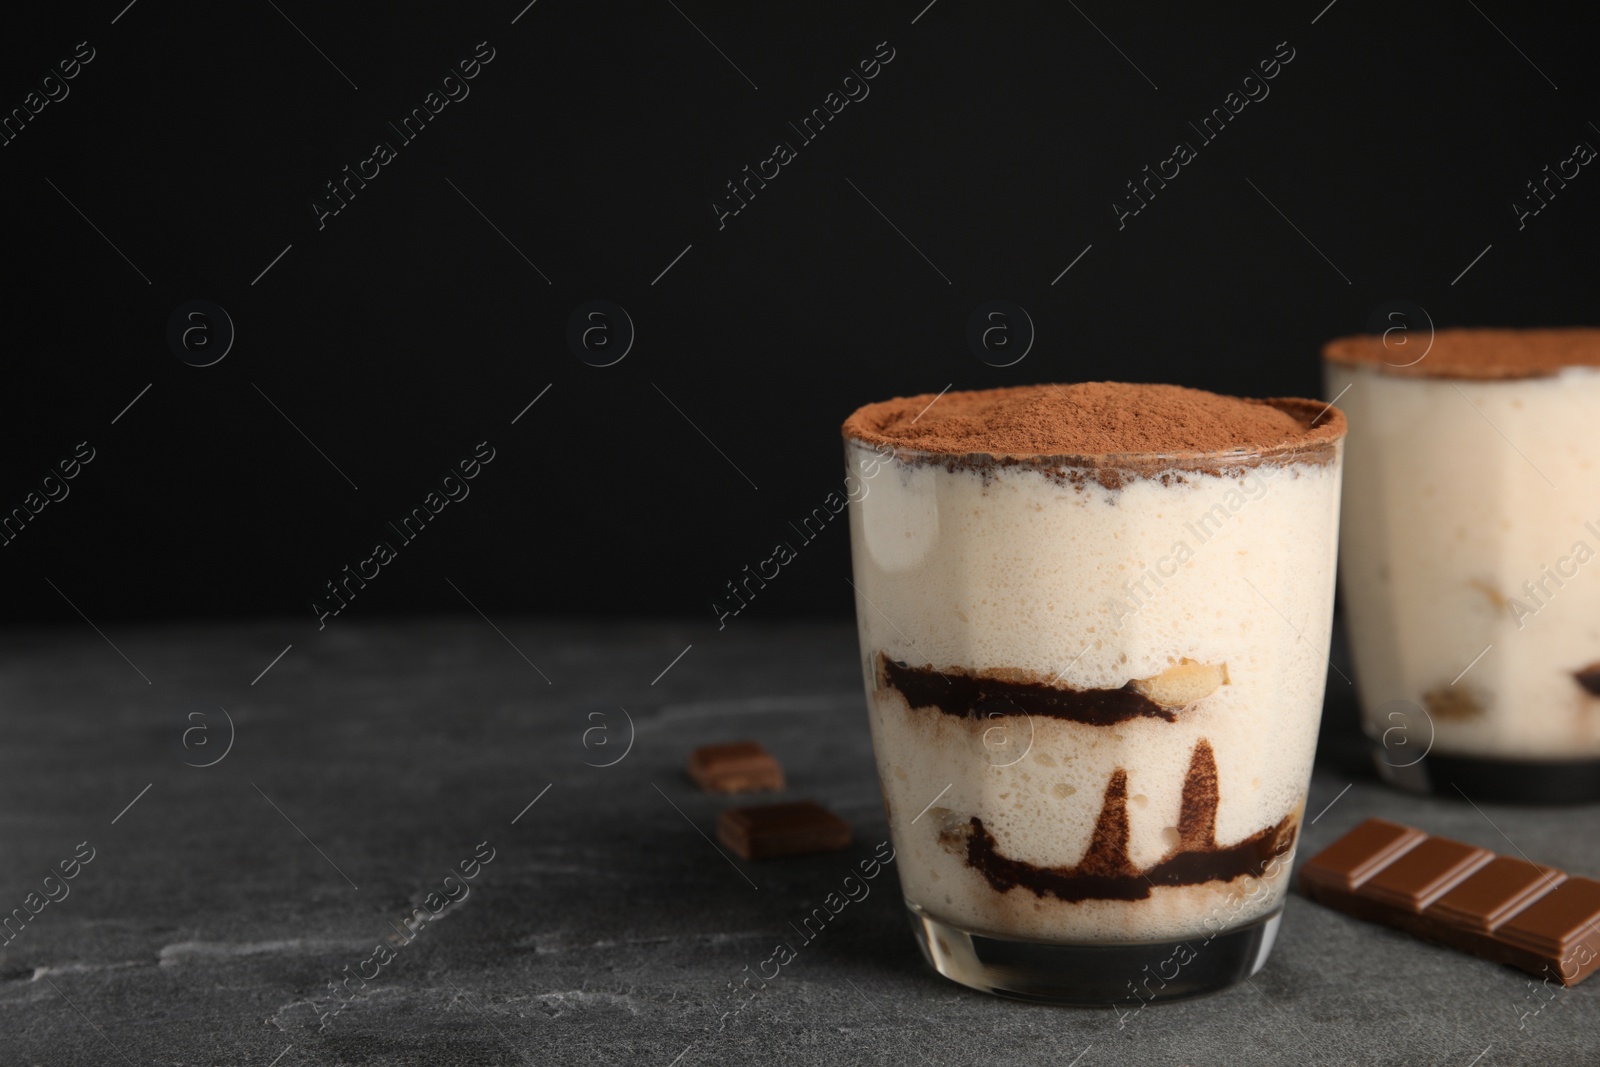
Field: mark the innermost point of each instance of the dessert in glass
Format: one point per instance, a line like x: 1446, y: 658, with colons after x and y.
x: 1094, y: 623
x: 1471, y: 523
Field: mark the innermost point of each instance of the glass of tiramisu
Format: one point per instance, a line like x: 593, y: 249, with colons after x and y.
x: 1470, y: 533
x: 1094, y: 623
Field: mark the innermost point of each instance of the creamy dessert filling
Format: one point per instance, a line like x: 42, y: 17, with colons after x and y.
x: 1471, y: 518
x: 1094, y: 621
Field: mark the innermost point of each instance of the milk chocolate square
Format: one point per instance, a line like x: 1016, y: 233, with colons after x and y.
x: 796, y: 829
x: 1424, y: 872
x: 1558, y: 923
x: 735, y: 767
x: 1493, y: 892
x: 1354, y: 858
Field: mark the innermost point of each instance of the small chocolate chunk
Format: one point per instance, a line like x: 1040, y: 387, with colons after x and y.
x: 795, y: 829
x: 735, y: 767
x: 1589, y: 678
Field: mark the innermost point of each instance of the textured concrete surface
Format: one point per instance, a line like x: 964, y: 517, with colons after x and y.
x: 369, y: 762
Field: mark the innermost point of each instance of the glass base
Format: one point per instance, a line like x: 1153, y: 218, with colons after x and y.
x: 1508, y: 781
x: 1126, y: 975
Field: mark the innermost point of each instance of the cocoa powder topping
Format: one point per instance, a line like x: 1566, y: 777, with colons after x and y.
x: 1480, y: 354
x: 1095, y: 419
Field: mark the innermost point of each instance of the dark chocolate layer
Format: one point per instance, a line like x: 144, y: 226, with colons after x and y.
x: 970, y: 696
x: 1503, y: 780
x: 1107, y: 873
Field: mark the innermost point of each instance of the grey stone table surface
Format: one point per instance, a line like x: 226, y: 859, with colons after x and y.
x: 368, y: 763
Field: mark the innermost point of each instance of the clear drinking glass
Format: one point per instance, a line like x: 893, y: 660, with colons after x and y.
x: 1094, y: 685
x: 1470, y: 529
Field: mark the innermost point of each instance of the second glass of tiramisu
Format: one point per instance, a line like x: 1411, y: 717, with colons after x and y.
x: 1469, y: 559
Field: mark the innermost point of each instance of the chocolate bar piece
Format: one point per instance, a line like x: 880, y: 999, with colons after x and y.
x: 795, y: 829
x: 736, y: 767
x: 1502, y: 908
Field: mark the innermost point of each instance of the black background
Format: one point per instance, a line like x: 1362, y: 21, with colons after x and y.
x: 407, y: 329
